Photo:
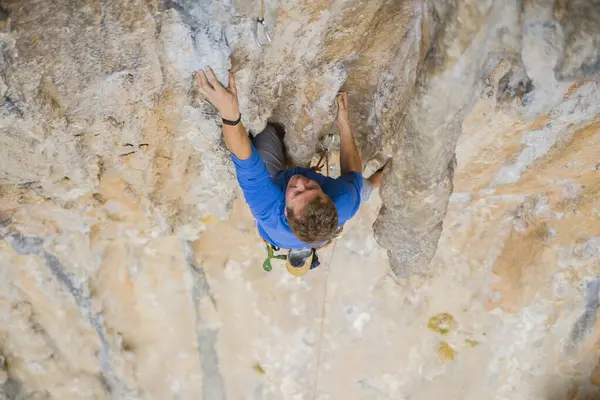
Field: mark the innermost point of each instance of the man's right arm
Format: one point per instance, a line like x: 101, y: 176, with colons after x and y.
x: 259, y: 191
x: 226, y: 101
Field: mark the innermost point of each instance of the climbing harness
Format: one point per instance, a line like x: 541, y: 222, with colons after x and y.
x: 270, y: 255
x: 295, y: 258
x: 263, y: 39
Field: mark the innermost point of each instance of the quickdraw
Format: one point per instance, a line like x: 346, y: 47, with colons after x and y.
x: 260, y: 25
x: 327, y: 143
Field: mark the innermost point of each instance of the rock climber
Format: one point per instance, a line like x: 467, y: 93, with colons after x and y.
x: 295, y: 208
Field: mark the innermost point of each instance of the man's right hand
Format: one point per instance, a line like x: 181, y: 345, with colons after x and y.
x: 224, y: 99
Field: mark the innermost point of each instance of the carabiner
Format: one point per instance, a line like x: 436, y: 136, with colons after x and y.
x: 267, y: 37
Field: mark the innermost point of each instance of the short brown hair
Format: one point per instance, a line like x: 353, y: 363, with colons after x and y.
x: 318, y: 222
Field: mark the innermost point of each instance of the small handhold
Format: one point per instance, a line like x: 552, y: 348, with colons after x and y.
x: 441, y: 323
x: 446, y: 352
x: 258, y: 368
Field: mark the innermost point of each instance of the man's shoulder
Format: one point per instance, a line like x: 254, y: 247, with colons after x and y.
x: 345, y: 189
x: 353, y: 177
x: 348, y: 181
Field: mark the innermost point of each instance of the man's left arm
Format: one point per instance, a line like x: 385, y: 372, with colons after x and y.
x: 349, y: 156
x: 359, y: 188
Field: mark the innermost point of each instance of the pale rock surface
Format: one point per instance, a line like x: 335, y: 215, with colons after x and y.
x: 130, y: 271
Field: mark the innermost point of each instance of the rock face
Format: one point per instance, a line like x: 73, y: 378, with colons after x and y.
x: 130, y: 271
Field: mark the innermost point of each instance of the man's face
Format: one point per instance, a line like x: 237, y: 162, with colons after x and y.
x: 299, y: 192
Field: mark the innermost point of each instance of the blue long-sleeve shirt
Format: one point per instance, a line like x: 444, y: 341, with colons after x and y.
x: 266, y: 196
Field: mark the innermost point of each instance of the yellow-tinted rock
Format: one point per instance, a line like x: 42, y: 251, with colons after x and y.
x: 446, y: 352
x: 442, y: 323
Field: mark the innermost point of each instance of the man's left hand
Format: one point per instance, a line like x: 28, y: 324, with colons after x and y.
x: 343, y: 115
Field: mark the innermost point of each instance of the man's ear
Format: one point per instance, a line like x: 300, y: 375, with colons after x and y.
x: 285, y: 212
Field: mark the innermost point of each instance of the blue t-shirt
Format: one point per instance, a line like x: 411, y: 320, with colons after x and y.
x: 266, y: 197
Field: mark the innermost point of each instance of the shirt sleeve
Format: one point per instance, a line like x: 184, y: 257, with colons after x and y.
x: 260, y: 192
x: 352, y: 182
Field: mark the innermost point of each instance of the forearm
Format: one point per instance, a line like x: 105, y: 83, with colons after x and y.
x: 237, y: 140
x: 349, y: 157
x: 225, y: 100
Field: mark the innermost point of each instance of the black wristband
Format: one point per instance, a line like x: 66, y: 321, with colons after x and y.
x: 232, y: 123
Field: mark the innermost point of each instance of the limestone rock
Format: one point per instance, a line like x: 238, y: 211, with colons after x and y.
x: 580, y: 23
x: 129, y: 270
